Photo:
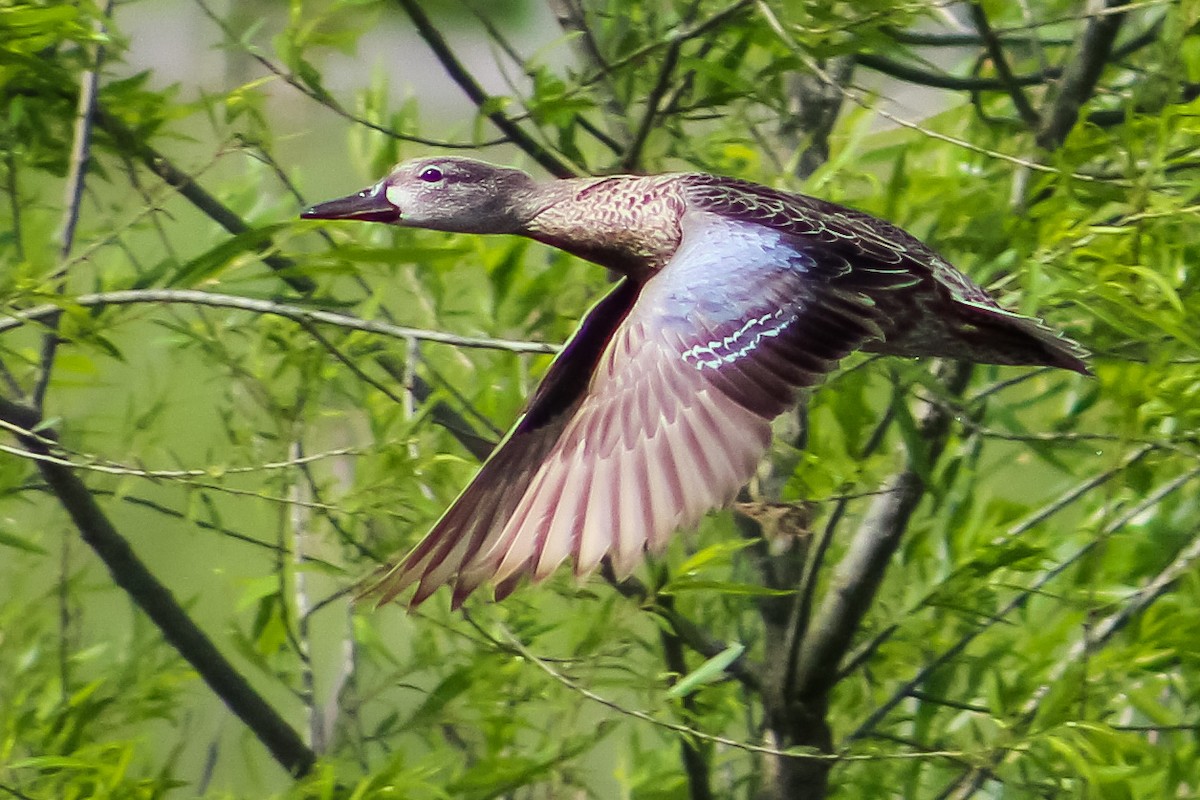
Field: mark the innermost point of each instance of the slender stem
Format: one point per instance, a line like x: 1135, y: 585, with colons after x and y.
x: 1000, y: 62
x: 77, y: 166
x: 300, y: 314
x: 695, y: 761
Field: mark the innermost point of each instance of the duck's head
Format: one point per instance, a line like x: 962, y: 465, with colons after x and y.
x: 444, y: 194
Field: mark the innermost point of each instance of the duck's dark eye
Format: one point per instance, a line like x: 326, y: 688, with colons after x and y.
x: 431, y: 175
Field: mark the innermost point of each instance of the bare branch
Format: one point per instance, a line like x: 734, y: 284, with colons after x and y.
x: 1088, y: 59
x: 459, y: 74
x: 1000, y: 62
x: 860, y: 572
x: 941, y: 80
x: 293, y: 312
x: 81, y: 154
x: 128, y: 571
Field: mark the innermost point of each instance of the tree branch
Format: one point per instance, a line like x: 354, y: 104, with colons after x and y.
x: 1101, y: 634
x: 572, y: 18
x: 1086, y: 63
x: 459, y: 74
x: 324, y: 99
x: 666, y: 69
x: 941, y: 80
x: 861, y: 570
x: 695, y: 762
x: 128, y: 571
x: 1000, y: 61
x: 926, y: 39
x: 285, y: 268
x: 160, y: 165
x: 81, y: 155
x: 933, y: 664
x: 296, y: 313
x: 741, y: 669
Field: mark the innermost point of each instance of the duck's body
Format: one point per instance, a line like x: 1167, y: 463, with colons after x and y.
x: 735, y: 297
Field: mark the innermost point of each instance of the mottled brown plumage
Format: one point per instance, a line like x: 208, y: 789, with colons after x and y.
x: 735, y: 298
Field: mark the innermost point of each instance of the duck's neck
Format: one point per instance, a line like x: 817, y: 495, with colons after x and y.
x: 626, y: 223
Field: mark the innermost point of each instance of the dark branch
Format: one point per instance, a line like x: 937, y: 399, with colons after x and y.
x: 1000, y: 62
x: 861, y: 570
x: 650, y: 114
x: 923, y: 39
x: 459, y: 74
x: 128, y: 571
x: 695, y: 761
x: 742, y: 669
x: 940, y: 80
x: 1086, y: 63
x: 179, y: 180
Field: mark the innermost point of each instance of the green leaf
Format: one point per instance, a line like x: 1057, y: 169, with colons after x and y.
x: 711, y: 670
x: 18, y: 542
x: 216, y: 259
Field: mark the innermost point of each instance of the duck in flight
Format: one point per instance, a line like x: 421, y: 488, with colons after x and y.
x: 734, y: 297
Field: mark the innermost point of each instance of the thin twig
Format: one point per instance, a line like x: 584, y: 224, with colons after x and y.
x: 328, y: 101
x: 943, y: 80
x: 288, y: 311
x: 77, y: 167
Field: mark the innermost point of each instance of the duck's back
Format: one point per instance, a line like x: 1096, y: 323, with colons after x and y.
x: 926, y: 306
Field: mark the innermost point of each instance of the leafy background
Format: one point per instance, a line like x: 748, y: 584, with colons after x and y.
x: 1017, y: 546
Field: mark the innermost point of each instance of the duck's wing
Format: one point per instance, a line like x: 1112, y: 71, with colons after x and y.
x: 927, y: 306
x: 657, y: 411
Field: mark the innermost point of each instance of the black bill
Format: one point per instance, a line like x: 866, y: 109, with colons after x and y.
x: 369, y: 205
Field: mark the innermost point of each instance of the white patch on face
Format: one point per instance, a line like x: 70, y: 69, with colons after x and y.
x: 740, y: 343
x: 393, y: 195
